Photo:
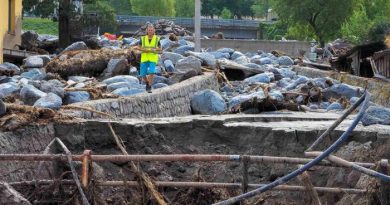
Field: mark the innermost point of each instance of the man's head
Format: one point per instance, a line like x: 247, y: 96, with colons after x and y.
x: 150, y: 30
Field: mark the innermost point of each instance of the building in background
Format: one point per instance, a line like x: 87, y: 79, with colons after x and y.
x: 10, y: 25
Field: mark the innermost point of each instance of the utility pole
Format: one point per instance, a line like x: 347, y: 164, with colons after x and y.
x: 197, y: 25
x: 63, y: 23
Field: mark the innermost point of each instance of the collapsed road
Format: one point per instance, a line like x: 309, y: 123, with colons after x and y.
x: 220, y: 102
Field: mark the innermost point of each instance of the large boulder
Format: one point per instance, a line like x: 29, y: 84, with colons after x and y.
x: 33, y: 62
x: 219, y: 55
x: 51, y: 101
x: 80, y: 45
x: 206, y: 58
x: 168, y: 64
x: 114, y: 86
x: 242, y: 60
x: 30, y: 94
x: 7, y: 89
x: 265, y: 61
x: 159, y: 85
x: 287, y: 73
x: 342, y: 90
x: 229, y: 51
x: 237, y: 100
x: 183, y: 49
x: 76, y: 96
x: 335, y: 106
x: 160, y: 79
x: 207, y: 102
x: 236, y: 54
x: 121, y: 78
x: 8, y: 195
x: 128, y: 91
x: 78, y: 79
x: 187, y: 68
x: 53, y: 86
x: 259, y: 78
x: 9, y: 69
x: 34, y: 74
x: 116, y: 67
x: 174, y: 57
x: 376, y: 115
x: 285, y: 60
x: 300, y: 80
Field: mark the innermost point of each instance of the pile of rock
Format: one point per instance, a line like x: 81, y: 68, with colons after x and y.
x: 164, y: 27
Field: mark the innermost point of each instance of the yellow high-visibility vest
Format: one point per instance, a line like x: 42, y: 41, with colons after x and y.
x: 151, y: 57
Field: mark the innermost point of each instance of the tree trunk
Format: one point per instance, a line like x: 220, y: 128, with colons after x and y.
x: 63, y: 23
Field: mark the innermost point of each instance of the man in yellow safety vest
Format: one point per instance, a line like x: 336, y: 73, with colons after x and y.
x: 150, y: 46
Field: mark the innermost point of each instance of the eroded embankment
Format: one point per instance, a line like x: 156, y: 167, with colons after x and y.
x: 281, y: 134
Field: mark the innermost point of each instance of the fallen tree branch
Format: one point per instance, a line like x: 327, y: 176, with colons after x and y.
x: 146, y: 180
x: 74, y: 173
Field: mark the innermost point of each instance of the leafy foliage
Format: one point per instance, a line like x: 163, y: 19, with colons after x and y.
x: 106, y: 15
x: 226, y: 13
x: 325, y: 18
x: 185, y: 8
x: 153, y: 7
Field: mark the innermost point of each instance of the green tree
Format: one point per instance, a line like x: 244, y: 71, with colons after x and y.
x: 185, y: 8
x: 260, y: 8
x: 226, y: 13
x: 211, y: 8
x: 323, y: 17
x: 153, y: 7
x: 356, y: 28
x: 40, y: 8
x: 106, y: 15
x: 121, y: 7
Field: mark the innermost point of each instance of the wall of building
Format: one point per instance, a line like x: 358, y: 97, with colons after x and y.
x: 170, y: 101
x: 379, y: 89
x: 289, y: 47
x: 10, y: 39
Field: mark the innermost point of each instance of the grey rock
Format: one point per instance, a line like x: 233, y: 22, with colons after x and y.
x: 335, y: 106
x: 219, y: 55
x: 33, y: 62
x: 159, y: 85
x: 80, y: 45
x: 237, y: 100
x: 276, y: 95
x: 121, y: 78
x: 9, y: 69
x: 265, y: 61
x: 186, y: 68
x: 45, y: 58
x: 259, y: 78
x: 207, y: 102
x: 168, y: 64
x: 206, y: 58
x: 7, y: 89
x: 236, y: 54
x: 114, y: 86
x: 376, y: 115
x: 116, y: 67
x: 5, y: 79
x: 34, y: 74
x: 51, y: 101
x: 53, y: 87
x: 241, y: 60
x: 300, y: 80
x: 128, y: 91
x: 30, y: 94
x: 230, y: 51
x: 287, y: 73
x: 160, y: 79
x: 174, y: 57
x: 324, y: 105
x: 3, y: 108
x: 340, y: 90
x: 76, y: 96
x: 285, y: 60
x: 183, y: 49
x: 284, y: 82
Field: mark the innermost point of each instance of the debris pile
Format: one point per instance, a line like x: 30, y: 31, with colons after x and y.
x: 164, y: 27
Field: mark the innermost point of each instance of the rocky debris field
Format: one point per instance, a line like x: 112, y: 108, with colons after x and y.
x: 251, y: 82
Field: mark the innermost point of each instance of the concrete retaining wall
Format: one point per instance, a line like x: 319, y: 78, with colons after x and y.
x: 290, y: 48
x: 170, y: 101
x: 379, y: 89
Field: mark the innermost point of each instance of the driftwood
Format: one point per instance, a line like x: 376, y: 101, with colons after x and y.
x: 318, y: 65
x: 88, y: 62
